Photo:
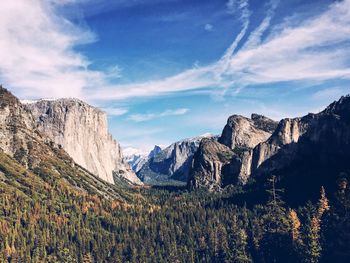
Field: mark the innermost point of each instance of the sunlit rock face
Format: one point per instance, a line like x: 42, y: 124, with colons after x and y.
x: 243, y: 132
x: 227, y: 161
x: 82, y: 130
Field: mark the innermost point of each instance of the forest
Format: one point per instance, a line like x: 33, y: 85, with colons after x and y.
x: 52, y: 222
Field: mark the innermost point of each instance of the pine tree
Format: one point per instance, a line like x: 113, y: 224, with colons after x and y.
x: 295, y: 222
x: 323, y: 204
x: 314, y: 247
x: 87, y: 258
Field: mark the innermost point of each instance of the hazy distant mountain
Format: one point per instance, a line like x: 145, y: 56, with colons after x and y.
x: 137, y: 158
x: 171, y: 163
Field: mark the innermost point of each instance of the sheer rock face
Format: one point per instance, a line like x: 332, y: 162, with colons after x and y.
x: 287, y: 132
x: 329, y: 130
x: 307, y: 153
x: 21, y: 140
x: 82, y: 131
x: 237, y: 142
x: 242, y: 135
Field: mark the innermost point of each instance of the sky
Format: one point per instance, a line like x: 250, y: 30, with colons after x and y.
x: 165, y: 70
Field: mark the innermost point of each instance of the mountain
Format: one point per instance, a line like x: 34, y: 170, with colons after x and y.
x: 242, y: 132
x: 137, y: 158
x: 34, y: 161
x: 82, y: 131
x: 171, y: 163
x: 307, y: 153
x: 227, y: 161
x: 302, y: 153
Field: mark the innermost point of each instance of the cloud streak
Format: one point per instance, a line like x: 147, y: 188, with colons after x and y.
x: 152, y: 116
x: 306, y: 52
x: 115, y: 111
x: 37, y: 56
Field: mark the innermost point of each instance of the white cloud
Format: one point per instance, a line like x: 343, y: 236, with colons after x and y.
x: 115, y: 111
x: 37, y: 56
x: 36, y: 51
x: 151, y: 116
x: 306, y: 52
x: 114, y: 72
x: 208, y: 27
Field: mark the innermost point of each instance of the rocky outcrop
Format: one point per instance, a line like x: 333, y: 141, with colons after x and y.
x: 83, y: 133
x: 18, y: 135
x: 307, y: 153
x: 212, y: 166
x: 172, y: 163
x: 287, y: 132
x: 264, y: 123
x: 237, y: 141
x: 241, y: 132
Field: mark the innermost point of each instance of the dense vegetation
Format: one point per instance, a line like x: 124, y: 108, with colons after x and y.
x: 44, y: 219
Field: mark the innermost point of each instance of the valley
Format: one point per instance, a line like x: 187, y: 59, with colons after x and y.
x: 245, y: 196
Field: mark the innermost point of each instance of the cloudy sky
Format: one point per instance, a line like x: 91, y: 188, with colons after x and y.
x: 170, y: 69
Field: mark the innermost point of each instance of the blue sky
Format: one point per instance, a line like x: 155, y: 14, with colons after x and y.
x: 170, y: 69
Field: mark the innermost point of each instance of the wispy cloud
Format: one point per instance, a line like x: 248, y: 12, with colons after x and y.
x: 115, y: 111
x: 114, y: 72
x: 151, y: 116
x: 37, y: 55
x: 303, y: 52
x: 331, y: 93
x: 208, y: 27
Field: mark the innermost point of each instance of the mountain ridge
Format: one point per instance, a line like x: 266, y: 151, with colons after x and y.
x: 311, y: 149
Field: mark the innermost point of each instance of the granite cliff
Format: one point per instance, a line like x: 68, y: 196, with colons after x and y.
x: 303, y: 153
x: 82, y: 131
x: 35, y: 161
x: 236, y: 144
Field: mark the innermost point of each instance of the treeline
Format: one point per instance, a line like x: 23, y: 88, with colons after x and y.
x: 54, y: 224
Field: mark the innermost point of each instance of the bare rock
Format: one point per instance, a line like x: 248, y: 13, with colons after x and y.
x: 82, y: 131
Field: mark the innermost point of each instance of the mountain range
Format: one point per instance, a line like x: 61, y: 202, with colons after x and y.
x: 303, y: 153
x: 173, y: 163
